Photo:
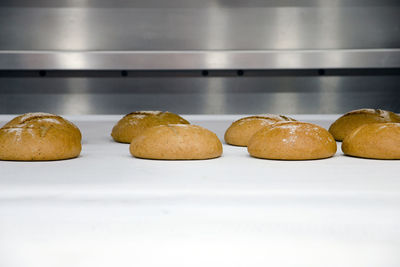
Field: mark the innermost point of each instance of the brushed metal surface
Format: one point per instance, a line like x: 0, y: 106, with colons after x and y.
x: 207, y: 35
x: 210, y: 34
x: 190, y: 60
x: 199, y: 95
x: 198, y: 25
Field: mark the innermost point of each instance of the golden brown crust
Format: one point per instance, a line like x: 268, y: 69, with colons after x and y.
x: 354, y: 119
x: 374, y: 140
x: 176, y: 142
x: 292, y: 141
x: 240, y: 132
x: 39, y: 136
x: 133, y: 124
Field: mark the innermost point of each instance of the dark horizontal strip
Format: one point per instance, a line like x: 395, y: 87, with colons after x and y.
x: 197, y: 73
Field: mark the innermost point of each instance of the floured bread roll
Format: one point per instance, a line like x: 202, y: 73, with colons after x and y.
x: 39, y: 136
x: 292, y: 141
x: 135, y: 123
x: 176, y: 142
x: 240, y: 132
x: 354, y: 119
x: 374, y: 140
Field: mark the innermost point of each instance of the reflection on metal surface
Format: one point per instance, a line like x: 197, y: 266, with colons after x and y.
x: 79, y: 103
x: 123, y: 39
x: 199, y: 95
x: 210, y: 34
x: 198, y: 25
x: 190, y: 60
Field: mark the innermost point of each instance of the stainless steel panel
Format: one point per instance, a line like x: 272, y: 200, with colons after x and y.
x: 142, y: 34
x: 199, y: 95
x: 198, y: 25
x: 188, y: 60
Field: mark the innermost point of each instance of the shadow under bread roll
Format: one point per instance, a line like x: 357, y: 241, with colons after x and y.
x: 176, y: 142
x: 39, y: 136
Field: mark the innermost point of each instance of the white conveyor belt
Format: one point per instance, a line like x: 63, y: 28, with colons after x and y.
x: 107, y: 208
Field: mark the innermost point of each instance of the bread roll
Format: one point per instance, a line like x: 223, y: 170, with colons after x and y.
x: 292, y: 141
x: 240, y: 132
x: 135, y: 123
x: 374, y: 140
x: 39, y: 136
x: 176, y: 141
x: 354, y: 119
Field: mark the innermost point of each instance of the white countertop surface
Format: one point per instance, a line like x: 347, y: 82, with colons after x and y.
x: 107, y: 208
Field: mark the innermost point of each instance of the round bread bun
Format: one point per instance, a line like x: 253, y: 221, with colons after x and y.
x: 39, y: 136
x: 374, y: 140
x: 176, y: 142
x: 135, y: 123
x: 354, y: 119
x: 292, y: 141
x: 240, y: 132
